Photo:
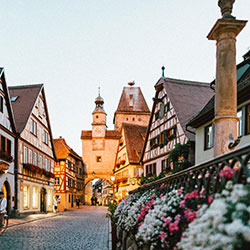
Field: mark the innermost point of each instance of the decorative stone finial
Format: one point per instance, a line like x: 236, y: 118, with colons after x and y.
x: 131, y: 83
x: 163, y: 69
x: 226, y: 7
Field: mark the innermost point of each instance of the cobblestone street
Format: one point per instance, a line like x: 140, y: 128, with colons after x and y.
x: 86, y: 228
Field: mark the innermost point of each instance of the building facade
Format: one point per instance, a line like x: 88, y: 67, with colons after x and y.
x: 7, y: 149
x: 203, y: 121
x: 69, y: 176
x: 175, y: 102
x: 127, y: 169
x: 35, y: 149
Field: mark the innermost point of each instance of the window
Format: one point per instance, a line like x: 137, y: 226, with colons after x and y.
x: 25, y: 155
x: 13, y: 98
x: 31, y: 157
x: 9, y: 147
x: 69, y: 198
x: 131, y: 100
x: 35, y: 197
x: 161, y: 110
x: 25, y: 196
x: 35, y: 158
x: 157, y: 115
x: 33, y: 127
x: 49, y: 165
x: 1, y: 104
x: 41, y: 161
x: 171, y: 133
x: 240, y: 123
x: 56, y: 181
x: 46, y: 164
x: 163, y: 165
x: 98, y: 158
x: 209, y: 136
x: 154, y: 169
x: 69, y: 182
x: 45, y: 137
x: 168, y: 166
x: 3, y: 143
x: 248, y: 119
x: 167, y: 107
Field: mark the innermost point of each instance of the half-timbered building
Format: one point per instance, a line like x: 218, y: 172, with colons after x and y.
x: 175, y: 102
x: 7, y: 146
x: 35, y: 149
x: 127, y: 169
x: 69, y: 176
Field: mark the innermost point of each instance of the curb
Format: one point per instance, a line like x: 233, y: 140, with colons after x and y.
x: 25, y: 222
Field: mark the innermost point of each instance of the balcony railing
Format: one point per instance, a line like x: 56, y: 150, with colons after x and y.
x: 207, y: 175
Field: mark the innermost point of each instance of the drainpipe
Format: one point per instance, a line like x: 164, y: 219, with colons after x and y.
x: 16, y: 175
x: 225, y: 121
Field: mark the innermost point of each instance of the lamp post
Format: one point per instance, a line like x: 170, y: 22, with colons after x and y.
x: 112, y: 178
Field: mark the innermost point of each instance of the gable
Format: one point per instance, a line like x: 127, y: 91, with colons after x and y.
x: 6, y: 114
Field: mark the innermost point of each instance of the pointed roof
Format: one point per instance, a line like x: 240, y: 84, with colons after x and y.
x: 134, y: 140
x: 187, y: 98
x: 139, y: 104
x: 243, y: 94
x: 63, y: 150
x: 7, y: 100
x: 23, y: 106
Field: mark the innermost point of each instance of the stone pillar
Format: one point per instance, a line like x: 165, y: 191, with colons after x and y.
x: 225, y: 120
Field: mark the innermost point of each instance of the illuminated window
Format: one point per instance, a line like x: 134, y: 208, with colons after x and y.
x: 50, y: 197
x: 98, y: 158
x: 35, y: 197
x: 209, y: 137
x: 25, y: 196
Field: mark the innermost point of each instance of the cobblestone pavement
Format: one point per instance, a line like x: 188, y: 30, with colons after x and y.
x: 86, y: 228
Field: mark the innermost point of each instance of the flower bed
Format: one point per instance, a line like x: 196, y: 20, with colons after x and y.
x: 184, y: 219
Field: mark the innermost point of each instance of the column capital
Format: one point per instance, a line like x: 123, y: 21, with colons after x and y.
x: 226, y: 26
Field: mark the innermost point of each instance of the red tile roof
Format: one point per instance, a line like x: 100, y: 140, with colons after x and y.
x: 134, y: 140
x: 63, y: 150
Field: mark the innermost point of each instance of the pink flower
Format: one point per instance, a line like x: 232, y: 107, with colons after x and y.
x: 190, y: 215
x: 227, y: 172
x: 210, y: 198
x: 173, y: 227
x: 166, y: 221
x: 182, y: 204
x: 162, y: 186
x: 163, y: 236
x: 177, y: 218
x: 179, y: 192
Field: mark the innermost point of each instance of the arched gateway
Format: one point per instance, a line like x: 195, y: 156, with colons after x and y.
x: 99, y: 145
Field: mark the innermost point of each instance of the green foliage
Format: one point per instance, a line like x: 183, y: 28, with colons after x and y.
x: 178, y: 157
x: 111, y: 209
x: 148, y: 179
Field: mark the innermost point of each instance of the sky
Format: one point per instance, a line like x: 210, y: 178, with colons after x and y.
x: 75, y: 46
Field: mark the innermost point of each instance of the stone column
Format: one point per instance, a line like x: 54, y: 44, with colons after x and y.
x: 225, y: 120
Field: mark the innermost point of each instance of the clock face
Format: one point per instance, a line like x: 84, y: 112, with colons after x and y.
x: 98, y: 131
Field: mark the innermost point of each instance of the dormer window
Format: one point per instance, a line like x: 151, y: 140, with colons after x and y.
x: 131, y: 100
x: 13, y: 98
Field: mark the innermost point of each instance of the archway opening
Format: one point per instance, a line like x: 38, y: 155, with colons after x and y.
x: 98, y: 192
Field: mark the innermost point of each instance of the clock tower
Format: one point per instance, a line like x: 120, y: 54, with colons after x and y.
x: 99, y: 119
